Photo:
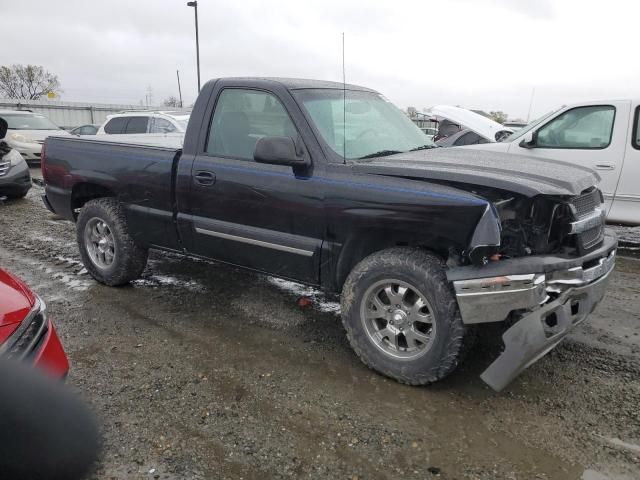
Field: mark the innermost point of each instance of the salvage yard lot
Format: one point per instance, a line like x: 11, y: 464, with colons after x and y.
x: 200, y: 370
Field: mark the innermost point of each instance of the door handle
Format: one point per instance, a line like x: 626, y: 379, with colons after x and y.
x: 205, y: 178
x: 605, y: 166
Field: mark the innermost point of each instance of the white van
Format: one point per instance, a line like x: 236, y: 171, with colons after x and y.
x: 602, y: 135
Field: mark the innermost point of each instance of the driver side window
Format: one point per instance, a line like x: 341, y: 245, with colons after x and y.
x: 579, y: 128
x: 241, y: 117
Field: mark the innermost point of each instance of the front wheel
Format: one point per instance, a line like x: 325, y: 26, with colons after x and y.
x: 401, y: 316
x: 108, y: 252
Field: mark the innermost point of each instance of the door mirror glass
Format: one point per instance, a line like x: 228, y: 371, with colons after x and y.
x: 278, y: 151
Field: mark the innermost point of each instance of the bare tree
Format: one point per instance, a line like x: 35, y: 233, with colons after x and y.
x: 498, y: 116
x: 28, y: 82
x: 171, y: 102
x: 412, y: 112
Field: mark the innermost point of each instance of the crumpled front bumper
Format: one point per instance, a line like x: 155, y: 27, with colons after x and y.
x: 546, y: 305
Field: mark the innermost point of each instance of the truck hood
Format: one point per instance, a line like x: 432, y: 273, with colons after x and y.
x: 473, y: 121
x: 519, y: 174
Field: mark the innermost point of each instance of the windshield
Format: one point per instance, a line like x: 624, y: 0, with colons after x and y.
x: 529, y: 126
x: 366, y: 126
x: 28, y: 122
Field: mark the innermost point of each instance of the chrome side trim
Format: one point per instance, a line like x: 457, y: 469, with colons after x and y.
x: 593, y: 220
x: 251, y: 241
x: 625, y: 198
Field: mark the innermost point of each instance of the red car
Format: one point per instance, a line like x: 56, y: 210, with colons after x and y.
x: 26, y: 333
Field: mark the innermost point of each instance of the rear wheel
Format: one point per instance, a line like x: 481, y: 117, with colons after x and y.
x: 107, y: 250
x: 401, y: 316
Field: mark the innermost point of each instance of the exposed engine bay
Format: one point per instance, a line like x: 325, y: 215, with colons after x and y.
x: 533, y: 227
x: 542, y: 224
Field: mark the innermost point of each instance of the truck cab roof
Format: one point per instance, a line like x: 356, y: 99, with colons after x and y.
x: 296, y: 83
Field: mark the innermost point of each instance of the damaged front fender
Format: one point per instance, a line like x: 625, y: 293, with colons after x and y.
x: 486, y: 237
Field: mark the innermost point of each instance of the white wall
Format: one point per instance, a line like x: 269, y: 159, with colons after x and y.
x: 70, y: 114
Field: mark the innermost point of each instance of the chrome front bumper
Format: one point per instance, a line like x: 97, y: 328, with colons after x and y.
x: 491, y: 299
x: 546, y: 307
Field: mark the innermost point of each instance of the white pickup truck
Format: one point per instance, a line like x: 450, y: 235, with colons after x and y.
x: 602, y: 135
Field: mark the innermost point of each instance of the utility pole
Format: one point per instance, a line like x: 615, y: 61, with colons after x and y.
x: 179, y: 89
x: 533, y: 92
x: 194, y: 4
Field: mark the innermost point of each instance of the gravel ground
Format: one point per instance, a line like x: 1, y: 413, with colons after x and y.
x: 203, y: 371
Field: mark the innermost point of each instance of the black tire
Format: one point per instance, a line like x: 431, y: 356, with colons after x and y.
x: 19, y: 195
x: 129, y: 258
x: 425, y: 272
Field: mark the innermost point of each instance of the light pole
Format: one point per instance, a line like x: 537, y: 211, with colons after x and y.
x: 195, y: 6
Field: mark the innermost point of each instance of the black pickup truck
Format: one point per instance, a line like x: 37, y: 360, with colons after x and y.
x: 331, y: 185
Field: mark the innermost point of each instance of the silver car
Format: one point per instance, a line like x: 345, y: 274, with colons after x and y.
x: 27, y: 131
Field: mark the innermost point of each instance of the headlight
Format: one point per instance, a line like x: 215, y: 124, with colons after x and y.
x: 18, y: 137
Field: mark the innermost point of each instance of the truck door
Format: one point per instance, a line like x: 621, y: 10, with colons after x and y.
x: 261, y: 216
x: 626, y: 205
x: 591, y: 135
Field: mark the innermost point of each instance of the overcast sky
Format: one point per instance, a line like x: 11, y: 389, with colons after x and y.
x: 486, y: 54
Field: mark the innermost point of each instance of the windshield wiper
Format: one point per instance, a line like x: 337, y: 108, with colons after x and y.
x: 424, y: 147
x: 381, y: 153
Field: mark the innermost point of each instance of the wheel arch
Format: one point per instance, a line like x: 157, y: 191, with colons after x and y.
x: 83, y: 192
x: 362, y: 243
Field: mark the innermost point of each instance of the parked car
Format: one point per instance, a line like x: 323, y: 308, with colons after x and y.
x: 156, y: 122
x: 15, y: 178
x: 602, y: 135
x: 27, y: 132
x: 333, y: 186
x: 463, y: 137
x: 430, y: 132
x: 26, y: 331
x: 484, y: 129
x: 88, y: 129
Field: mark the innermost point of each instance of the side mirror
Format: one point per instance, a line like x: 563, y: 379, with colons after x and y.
x: 278, y: 151
x: 528, y: 140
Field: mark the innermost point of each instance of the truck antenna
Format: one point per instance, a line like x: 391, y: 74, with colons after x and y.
x: 533, y: 92
x: 344, y: 107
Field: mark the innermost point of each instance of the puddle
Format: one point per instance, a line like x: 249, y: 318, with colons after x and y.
x: 632, y: 447
x: 593, y: 475
x: 155, y: 281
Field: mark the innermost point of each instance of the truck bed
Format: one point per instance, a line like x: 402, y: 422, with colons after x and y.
x: 138, y: 175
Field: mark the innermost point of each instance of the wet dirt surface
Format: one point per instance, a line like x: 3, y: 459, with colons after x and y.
x: 200, y: 370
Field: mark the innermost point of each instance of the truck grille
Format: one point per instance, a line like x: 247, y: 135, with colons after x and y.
x: 4, y: 167
x: 584, y: 206
x: 587, y: 202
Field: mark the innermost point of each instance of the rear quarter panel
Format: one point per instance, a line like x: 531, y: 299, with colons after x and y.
x: 138, y: 176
